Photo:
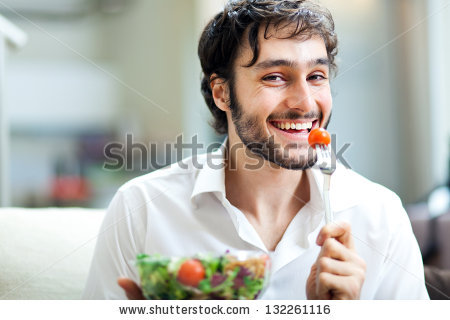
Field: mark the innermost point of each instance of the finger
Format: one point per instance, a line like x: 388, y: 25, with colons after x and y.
x: 331, y: 286
x: 131, y: 289
x: 341, y: 231
x: 341, y: 268
x: 311, y: 283
x: 332, y: 248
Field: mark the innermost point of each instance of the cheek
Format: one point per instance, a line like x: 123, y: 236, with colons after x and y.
x: 324, y: 100
x: 260, y: 103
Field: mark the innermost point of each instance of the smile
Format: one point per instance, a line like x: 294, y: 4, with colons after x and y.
x: 295, y: 126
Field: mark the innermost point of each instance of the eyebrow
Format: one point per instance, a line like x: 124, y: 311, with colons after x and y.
x: 290, y: 64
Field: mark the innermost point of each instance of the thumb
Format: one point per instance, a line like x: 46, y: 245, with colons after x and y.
x: 131, y: 289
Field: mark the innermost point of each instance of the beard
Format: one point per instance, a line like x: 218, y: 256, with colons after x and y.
x: 254, y: 137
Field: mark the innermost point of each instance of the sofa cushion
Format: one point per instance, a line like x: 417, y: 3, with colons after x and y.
x: 443, y: 239
x: 420, y: 221
x: 46, y: 253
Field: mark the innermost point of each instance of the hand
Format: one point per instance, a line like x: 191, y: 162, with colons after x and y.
x: 338, y: 272
x: 131, y: 289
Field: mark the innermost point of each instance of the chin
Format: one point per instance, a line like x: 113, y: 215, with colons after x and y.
x: 302, y: 161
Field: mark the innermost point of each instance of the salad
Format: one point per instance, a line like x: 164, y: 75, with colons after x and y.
x: 241, y: 276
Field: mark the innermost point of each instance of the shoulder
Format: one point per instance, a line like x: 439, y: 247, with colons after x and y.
x: 363, y: 188
x: 351, y: 189
x: 173, y: 182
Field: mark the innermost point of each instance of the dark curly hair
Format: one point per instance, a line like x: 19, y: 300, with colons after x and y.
x: 220, y: 40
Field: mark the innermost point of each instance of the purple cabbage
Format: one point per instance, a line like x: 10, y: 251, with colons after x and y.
x: 217, y: 279
x: 239, y: 280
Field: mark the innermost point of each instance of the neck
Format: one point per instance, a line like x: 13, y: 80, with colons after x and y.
x: 258, y: 186
x: 269, y: 196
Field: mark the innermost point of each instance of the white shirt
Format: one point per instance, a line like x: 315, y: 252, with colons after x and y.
x: 183, y: 211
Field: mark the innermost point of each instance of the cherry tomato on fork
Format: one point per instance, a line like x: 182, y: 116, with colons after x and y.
x: 319, y: 136
x: 191, y: 272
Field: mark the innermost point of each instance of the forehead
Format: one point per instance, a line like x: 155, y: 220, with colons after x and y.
x: 279, y: 45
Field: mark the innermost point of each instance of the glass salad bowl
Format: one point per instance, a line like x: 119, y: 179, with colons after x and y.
x: 241, y: 275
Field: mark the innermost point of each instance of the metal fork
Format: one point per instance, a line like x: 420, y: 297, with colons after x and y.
x: 327, y: 166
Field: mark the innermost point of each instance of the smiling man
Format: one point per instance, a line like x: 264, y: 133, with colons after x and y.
x: 267, y: 68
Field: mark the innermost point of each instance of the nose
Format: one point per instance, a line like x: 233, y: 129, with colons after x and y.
x: 301, y: 97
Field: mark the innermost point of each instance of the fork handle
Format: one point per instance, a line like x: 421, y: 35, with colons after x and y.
x: 326, y: 198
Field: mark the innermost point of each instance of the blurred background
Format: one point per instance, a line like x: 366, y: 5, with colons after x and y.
x: 94, y: 71
x: 112, y: 82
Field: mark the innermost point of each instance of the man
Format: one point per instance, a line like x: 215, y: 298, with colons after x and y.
x: 267, y: 66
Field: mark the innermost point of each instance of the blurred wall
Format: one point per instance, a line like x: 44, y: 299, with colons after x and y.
x: 439, y: 76
x: 146, y: 54
x: 155, y: 45
x: 147, y: 42
x: 413, y: 100
x: 57, y: 90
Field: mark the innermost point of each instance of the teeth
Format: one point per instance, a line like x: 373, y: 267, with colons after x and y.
x: 294, y: 126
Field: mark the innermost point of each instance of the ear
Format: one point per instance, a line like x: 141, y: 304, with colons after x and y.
x: 220, y: 92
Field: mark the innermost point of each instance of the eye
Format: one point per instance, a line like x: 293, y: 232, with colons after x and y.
x: 317, y: 77
x: 273, y: 77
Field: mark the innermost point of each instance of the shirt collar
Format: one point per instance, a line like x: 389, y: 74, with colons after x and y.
x: 211, y: 177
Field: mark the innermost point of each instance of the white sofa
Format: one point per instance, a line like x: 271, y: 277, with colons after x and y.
x: 46, y: 253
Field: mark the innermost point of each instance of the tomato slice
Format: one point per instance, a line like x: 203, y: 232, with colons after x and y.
x: 191, y: 272
x: 319, y: 136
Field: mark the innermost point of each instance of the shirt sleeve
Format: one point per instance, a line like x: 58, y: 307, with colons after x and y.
x: 115, y: 251
x: 402, y: 273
